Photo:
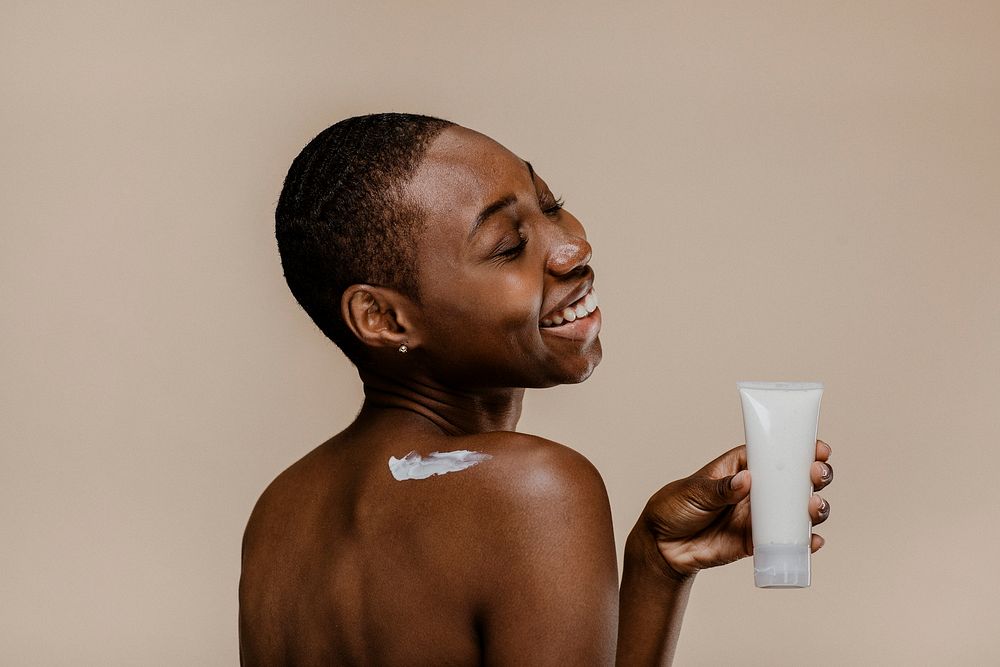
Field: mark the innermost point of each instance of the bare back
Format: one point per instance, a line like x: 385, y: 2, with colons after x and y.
x: 343, y: 564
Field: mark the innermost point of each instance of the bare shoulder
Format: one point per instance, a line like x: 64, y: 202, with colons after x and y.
x: 529, y: 468
x: 538, y: 494
x: 283, y: 499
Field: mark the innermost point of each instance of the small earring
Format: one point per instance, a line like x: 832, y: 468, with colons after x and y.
x: 403, y: 349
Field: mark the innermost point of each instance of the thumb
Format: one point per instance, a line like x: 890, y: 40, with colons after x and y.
x: 713, y: 494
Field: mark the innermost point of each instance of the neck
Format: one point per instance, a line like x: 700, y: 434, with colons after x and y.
x: 454, y: 412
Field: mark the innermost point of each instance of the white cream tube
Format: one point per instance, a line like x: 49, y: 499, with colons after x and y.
x: 780, y: 421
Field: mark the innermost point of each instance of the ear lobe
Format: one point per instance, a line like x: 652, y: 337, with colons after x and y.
x: 371, y: 315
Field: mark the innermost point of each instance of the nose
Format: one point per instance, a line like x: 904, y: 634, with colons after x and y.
x: 570, y: 253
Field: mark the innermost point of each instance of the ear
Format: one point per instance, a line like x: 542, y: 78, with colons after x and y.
x: 379, y: 317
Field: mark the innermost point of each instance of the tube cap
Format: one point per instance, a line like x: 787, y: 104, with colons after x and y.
x: 781, y: 566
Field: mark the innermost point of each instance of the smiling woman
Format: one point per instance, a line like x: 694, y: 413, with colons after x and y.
x: 429, y: 531
x: 497, y: 256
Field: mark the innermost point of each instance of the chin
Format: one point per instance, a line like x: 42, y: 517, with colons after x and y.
x: 585, y: 367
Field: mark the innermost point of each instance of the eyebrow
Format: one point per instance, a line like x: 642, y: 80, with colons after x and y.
x: 498, y: 205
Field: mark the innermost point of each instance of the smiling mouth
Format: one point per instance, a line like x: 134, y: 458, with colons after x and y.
x: 578, y: 310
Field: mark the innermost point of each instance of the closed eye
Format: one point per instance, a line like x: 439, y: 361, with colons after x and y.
x: 502, y: 254
x: 552, y: 206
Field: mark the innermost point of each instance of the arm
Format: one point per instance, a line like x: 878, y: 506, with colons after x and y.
x: 652, y: 603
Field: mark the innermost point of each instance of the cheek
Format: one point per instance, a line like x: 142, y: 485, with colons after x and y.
x: 504, y: 305
x: 518, y: 301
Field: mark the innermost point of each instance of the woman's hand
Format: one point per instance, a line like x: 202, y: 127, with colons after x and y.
x: 704, y: 520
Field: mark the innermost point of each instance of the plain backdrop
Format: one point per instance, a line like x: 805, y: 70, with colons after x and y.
x: 774, y: 190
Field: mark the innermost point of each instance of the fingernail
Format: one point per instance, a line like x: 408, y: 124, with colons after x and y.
x: 739, y: 479
x: 825, y: 474
x: 824, y: 506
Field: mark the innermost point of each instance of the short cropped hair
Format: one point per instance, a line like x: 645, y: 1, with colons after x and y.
x: 342, y: 218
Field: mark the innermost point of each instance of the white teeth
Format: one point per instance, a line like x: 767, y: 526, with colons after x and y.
x: 583, y: 307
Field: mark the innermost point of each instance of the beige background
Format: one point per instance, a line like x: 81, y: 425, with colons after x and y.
x: 774, y: 191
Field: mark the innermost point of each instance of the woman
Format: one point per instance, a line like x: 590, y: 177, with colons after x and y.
x: 445, y: 269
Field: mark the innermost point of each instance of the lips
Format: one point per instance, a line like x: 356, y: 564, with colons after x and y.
x: 579, y: 309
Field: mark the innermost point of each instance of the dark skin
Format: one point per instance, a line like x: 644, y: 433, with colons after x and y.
x: 511, y: 561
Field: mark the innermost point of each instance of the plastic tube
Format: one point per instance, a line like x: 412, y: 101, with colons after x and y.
x: 780, y: 421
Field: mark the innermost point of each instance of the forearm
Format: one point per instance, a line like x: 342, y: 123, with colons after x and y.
x: 651, y: 604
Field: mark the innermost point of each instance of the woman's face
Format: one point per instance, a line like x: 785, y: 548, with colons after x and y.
x: 505, y: 286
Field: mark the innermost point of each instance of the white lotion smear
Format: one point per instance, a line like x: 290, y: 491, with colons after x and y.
x: 414, y: 466
x: 780, y: 420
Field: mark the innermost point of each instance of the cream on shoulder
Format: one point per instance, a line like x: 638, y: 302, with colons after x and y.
x: 414, y: 466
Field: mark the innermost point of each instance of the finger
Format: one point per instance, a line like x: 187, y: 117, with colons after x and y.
x: 711, y: 495
x: 821, y: 474
x: 740, y: 485
x: 819, y: 510
x: 734, y: 488
x: 727, y: 464
x: 816, y: 543
x: 823, y: 451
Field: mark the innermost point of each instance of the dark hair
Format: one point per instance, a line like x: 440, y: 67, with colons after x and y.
x: 342, y: 218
